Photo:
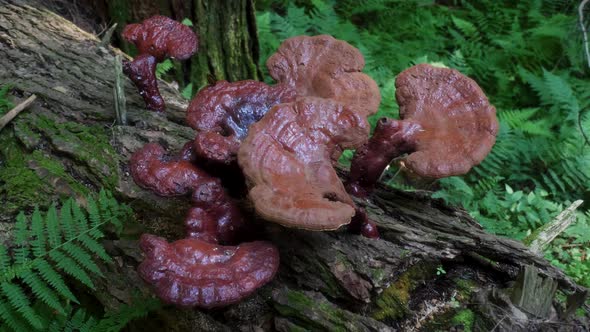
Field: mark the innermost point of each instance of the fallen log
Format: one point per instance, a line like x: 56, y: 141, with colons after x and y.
x: 434, y: 267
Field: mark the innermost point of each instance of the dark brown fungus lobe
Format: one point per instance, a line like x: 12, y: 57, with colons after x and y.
x: 192, y: 272
x: 222, y: 113
x: 156, y: 38
x: 214, y: 215
x: 286, y: 159
x: 447, y: 126
x: 142, y: 72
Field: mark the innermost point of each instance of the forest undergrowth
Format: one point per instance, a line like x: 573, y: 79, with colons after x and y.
x: 529, y: 59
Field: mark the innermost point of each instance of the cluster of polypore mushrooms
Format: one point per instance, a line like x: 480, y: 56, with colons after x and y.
x: 284, y: 141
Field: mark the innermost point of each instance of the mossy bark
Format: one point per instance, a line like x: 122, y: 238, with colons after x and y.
x: 67, y: 145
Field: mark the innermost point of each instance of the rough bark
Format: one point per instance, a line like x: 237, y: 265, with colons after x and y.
x: 430, y: 256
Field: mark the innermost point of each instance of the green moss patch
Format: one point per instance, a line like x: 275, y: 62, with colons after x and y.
x: 393, y: 303
x: 87, y: 146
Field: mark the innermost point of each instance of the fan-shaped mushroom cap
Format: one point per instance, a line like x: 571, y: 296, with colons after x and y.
x: 447, y: 127
x: 162, y: 37
x: 286, y: 159
x: 459, y: 124
x: 323, y: 66
x: 192, y: 272
x: 224, y: 111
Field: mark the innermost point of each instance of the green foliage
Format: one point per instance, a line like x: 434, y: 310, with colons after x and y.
x: 187, y: 92
x: 528, y: 58
x: 187, y: 22
x: 46, y: 248
x: 163, y: 68
x: 5, y: 104
x: 113, y: 321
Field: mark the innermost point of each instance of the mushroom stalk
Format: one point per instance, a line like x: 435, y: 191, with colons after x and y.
x: 447, y: 126
x: 142, y: 72
x: 390, y: 140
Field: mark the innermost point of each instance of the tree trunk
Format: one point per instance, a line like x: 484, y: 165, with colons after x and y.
x: 434, y: 268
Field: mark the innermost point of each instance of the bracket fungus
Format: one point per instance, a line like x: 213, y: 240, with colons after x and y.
x: 192, y: 272
x: 319, y: 66
x: 447, y: 126
x: 197, y: 271
x: 287, y: 161
x: 156, y: 39
x: 222, y: 113
x: 286, y: 137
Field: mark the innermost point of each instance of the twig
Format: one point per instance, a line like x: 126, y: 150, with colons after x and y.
x: 119, y: 93
x: 583, y: 27
x: 541, y: 238
x: 106, y: 38
x: 14, y: 112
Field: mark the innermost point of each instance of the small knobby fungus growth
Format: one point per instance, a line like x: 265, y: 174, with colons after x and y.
x: 156, y: 39
x: 447, y: 126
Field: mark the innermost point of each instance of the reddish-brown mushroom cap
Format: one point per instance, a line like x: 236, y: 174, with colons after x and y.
x: 447, y: 126
x: 286, y: 159
x: 322, y: 66
x: 222, y: 113
x: 156, y: 38
x: 162, y: 38
x: 192, y: 272
x: 214, y: 217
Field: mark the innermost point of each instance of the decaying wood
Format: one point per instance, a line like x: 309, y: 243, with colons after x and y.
x: 548, y: 232
x: 327, y: 280
x: 4, y: 120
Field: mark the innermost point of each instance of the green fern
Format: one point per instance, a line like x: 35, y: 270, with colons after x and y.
x: 45, y: 248
x: 112, y: 321
x: 163, y: 68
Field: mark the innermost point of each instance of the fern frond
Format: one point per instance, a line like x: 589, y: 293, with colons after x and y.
x: 53, y: 278
x: 52, y: 227
x: 70, y: 267
x: 17, y: 298
x: 12, y: 318
x: 66, y: 244
x: 80, y: 255
x: 94, y: 247
x: 38, y: 243
x: 115, y: 321
x: 67, y: 220
x: 163, y: 67
x: 42, y: 292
